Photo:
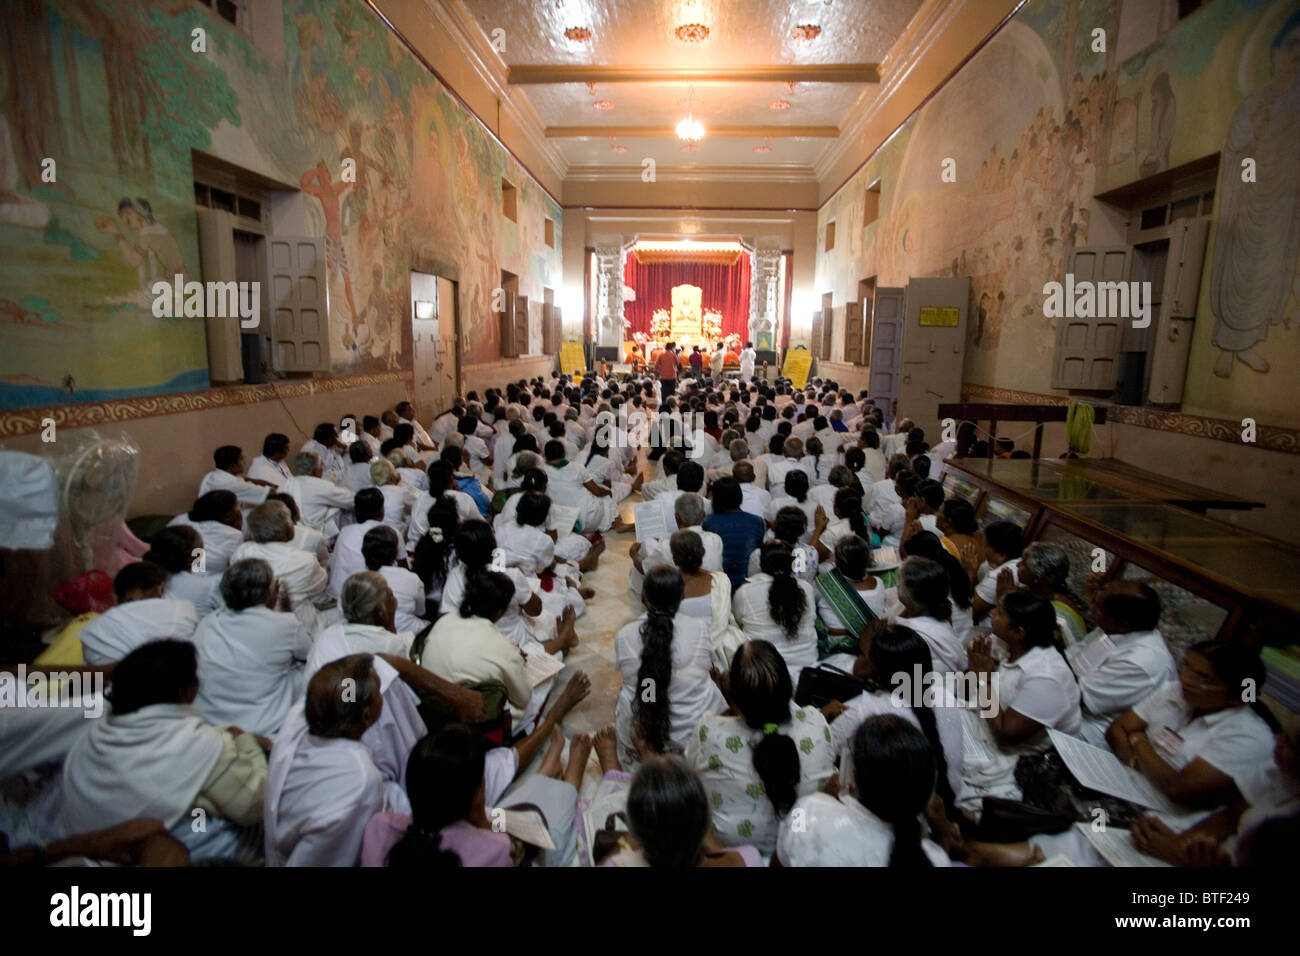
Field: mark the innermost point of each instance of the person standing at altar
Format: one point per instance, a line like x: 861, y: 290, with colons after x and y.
x: 718, y: 361
x: 666, y: 369
x: 697, y: 363
x: 747, y: 357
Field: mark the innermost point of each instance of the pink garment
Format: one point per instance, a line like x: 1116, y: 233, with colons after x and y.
x: 115, y: 547
x: 474, y: 846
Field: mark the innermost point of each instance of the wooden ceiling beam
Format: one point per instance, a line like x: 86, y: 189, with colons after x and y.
x: 655, y: 132
x: 801, y: 73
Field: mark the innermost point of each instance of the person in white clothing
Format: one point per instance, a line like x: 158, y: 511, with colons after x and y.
x: 1125, y: 660
x: 924, y: 591
x: 371, y: 434
x: 229, y: 461
x: 219, y: 519
x: 792, y: 453
x: 347, y: 560
x: 747, y: 358
x: 406, y: 416
x: 304, y: 538
x: 141, y: 615
x: 252, y: 653
x: 357, y: 473
x: 270, y: 529
x: 445, y: 423
x: 673, y: 652
x: 879, y: 825
x: 754, y: 500
x: 178, y: 549
x: 154, y: 756
x: 688, y: 515
x: 774, y: 605
x: 1003, y: 544
x: 398, y: 498
x: 379, y: 548
x: 328, y: 448
x: 269, y: 467
x: 323, y: 786
x: 319, y: 501
x: 569, y: 484
x: 1198, y: 740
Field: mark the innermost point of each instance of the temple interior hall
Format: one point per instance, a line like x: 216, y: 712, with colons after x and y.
x: 584, y: 380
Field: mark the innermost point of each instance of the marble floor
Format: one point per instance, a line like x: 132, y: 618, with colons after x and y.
x: 611, y: 608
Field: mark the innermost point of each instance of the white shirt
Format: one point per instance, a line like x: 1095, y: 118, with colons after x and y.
x: 528, y: 548
x: 348, y: 559
x: 691, y: 692
x: 320, y: 794
x: 987, y: 589
x: 754, y: 500
x: 1137, y: 666
x: 1040, y: 685
x: 778, y: 468
x: 201, y: 590
x: 312, y: 541
x: 873, y: 599
x: 808, y: 506
x: 356, y: 476
x: 318, y: 500
x: 755, y: 619
x: 249, y: 494
x: 443, y: 426
x: 946, y: 651
x: 332, y: 461
x: 121, y: 629
x: 297, y: 571
x: 947, y: 721
x: 1235, y: 741
x: 408, y: 589
x: 840, y: 832
x: 251, y: 667
x: 219, y: 541
x: 264, y: 469
x: 747, y: 357
x: 397, y: 502
x: 658, y: 551
x: 418, y: 526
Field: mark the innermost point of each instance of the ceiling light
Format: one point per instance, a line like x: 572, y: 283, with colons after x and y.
x: 603, y: 105
x: 690, y: 129
x: 615, y: 146
x: 779, y: 105
x: 690, y: 148
x: 692, y: 32
x: 806, y: 31
x: 765, y: 147
x: 578, y: 34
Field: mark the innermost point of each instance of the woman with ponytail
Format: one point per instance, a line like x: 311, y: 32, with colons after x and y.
x: 435, y: 554
x: 849, y: 520
x: 664, y: 657
x: 775, y: 605
x: 757, y: 763
x: 881, y: 824
x: 898, y: 669
x: 795, y: 496
x: 926, y: 544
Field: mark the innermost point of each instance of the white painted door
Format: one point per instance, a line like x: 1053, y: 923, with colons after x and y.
x: 296, y: 304
x: 1087, y: 349
x: 934, y: 349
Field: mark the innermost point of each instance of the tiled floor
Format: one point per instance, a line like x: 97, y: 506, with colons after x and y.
x: 609, y: 610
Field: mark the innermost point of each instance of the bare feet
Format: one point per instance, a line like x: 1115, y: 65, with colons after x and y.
x: 566, y: 636
x: 587, y: 593
x: 607, y: 749
x: 575, y: 691
x: 550, y: 766
x: 579, y: 751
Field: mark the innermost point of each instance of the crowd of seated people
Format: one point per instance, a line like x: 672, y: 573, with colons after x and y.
x: 350, y: 654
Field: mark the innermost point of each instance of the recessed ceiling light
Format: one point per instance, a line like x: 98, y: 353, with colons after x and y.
x: 578, y: 34
x: 692, y: 32
x: 691, y: 148
x: 779, y: 105
x: 603, y: 105
x: 806, y: 31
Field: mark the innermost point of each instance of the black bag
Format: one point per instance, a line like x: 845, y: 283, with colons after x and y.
x: 824, y: 683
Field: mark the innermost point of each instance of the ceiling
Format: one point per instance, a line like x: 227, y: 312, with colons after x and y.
x: 552, y: 73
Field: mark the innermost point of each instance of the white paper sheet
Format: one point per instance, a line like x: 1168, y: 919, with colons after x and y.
x: 562, y: 519
x: 1101, y: 770
x: 1087, y: 654
x: 649, y: 518
x: 1116, y: 845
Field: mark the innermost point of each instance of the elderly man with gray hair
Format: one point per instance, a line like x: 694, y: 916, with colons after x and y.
x: 270, y: 529
x: 319, y: 501
x: 252, y: 652
x: 688, y: 512
x: 323, y: 786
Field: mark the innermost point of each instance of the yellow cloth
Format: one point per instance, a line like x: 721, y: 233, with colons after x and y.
x: 66, y: 649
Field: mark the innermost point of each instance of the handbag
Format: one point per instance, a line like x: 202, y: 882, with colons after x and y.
x: 824, y: 683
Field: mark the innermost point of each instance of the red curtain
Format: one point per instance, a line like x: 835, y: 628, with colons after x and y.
x: 726, y: 289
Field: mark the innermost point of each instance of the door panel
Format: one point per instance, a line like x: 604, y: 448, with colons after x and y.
x: 295, y: 270
x: 886, y: 345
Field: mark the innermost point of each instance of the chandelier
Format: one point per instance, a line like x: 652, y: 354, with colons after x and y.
x: 692, y: 32
x: 690, y: 130
x: 806, y: 31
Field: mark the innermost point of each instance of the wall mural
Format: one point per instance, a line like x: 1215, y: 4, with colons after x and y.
x: 1070, y: 123
x: 116, y: 96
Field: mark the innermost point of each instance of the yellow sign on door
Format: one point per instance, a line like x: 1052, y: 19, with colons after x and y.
x: 572, y: 360
x: 941, y: 316
x: 798, y: 363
